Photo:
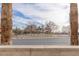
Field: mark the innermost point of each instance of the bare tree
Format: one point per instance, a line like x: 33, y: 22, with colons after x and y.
x: 66, y: 29
x: 30, y: 28
x: 40, y: 29
x: 50, y: 27
x: 17, y: 31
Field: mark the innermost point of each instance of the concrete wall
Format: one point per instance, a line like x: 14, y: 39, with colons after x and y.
x: 39, y: 51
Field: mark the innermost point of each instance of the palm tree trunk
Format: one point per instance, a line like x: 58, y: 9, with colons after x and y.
x: 74, y: 23
x: 6, y: 23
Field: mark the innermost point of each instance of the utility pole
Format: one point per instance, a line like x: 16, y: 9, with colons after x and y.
x: 74, y: 23
x: 6, y: 23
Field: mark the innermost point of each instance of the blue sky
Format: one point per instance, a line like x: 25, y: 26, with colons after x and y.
x: 39, y: 13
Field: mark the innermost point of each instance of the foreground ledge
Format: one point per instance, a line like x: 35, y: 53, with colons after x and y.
x: 39, y: 50
x: 37, y: 46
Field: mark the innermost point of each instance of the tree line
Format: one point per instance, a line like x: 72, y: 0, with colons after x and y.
x: 49, y: 27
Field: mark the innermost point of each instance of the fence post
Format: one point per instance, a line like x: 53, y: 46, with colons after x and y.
x: 6, y: 23
x: 74, y: 23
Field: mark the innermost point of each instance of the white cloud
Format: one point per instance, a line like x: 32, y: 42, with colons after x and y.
x: 58, y: 13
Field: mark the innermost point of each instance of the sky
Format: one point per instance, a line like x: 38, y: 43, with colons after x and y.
x: 40, y: 13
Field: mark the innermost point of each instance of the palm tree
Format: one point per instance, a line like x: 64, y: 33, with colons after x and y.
x: 74, y: 23
x: 6, y: 23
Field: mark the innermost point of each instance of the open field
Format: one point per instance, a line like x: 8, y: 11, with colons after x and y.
x: 39, y: 36
x: 41, y: 39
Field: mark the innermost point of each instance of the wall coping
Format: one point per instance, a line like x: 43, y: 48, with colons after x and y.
x: 37, y: 46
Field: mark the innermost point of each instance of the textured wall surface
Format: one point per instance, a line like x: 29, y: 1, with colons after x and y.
x: 14, y: 51
x: 39, y: 51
